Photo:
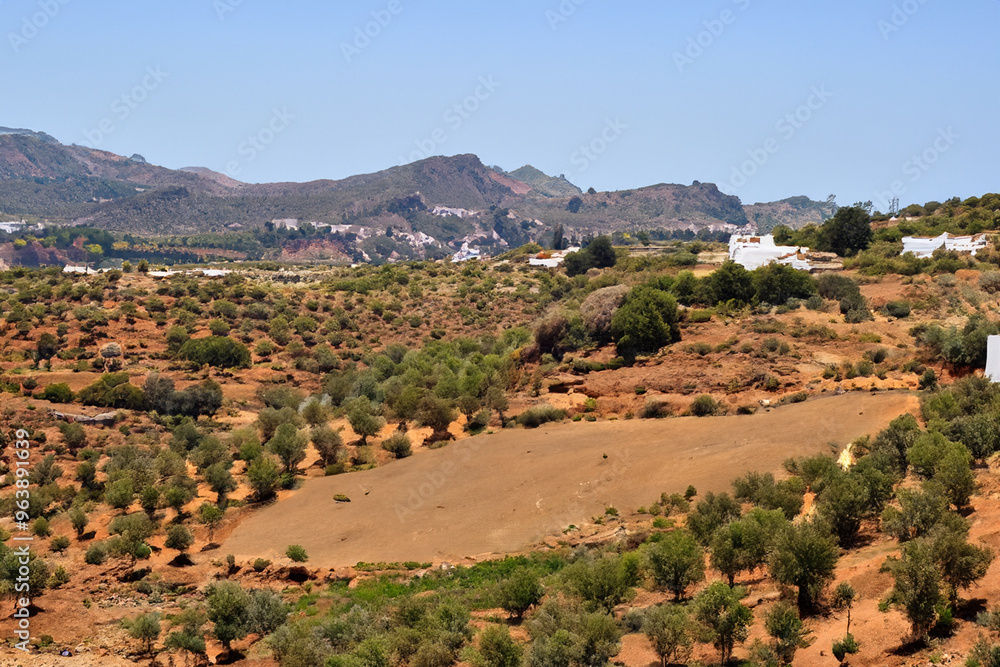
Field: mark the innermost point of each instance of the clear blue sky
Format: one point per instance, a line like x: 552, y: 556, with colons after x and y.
x: 596, y: 73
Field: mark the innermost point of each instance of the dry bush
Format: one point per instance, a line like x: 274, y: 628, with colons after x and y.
x: 549, y: 331
x: 599, y: 308
x: 990, y: 282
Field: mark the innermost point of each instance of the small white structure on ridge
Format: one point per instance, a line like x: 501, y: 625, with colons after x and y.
x: 752, y: 252
x: 924, y: 247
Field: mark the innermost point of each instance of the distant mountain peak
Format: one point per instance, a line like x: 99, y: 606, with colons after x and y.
x: 794, y: 212
x: 49, y: 139
x: 221, y: 179
x: 547, y: 186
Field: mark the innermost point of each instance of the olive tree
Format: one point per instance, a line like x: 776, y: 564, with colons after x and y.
x: 677, y: 561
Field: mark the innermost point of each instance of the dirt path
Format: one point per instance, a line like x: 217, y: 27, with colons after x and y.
x: 501, y: 493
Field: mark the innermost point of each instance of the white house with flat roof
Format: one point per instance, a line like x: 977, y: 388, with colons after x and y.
x: 924, y: 247
x: 752, y: 252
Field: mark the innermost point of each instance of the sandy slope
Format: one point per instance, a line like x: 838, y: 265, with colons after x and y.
x: 504, y: 492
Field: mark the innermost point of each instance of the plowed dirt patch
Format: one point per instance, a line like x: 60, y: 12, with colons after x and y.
x: 501, y: 493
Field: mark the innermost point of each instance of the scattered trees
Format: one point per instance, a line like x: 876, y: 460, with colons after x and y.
x: 599, y: 254
x: 498, y: 649
x: 263, y: 476
x: 289, y: 445
x: 229, y: 611
x: 363, y: 419
x: 671, y: 632
x: 677, y: 561
x: 742, y: 545
x: 804, y: 556
x: 917, y: 588
x: 200, y: 399
x: 520, y: 593
x: 79, y: 520
x: 211, y: 516
x: 328, y: 443
x: 849, y: 231
x: 724, y: 618
x: 179, y: 538
x: 604, y: 582
x: 787, y: 632
x: 145, y: 628
x: 113, y: 391
x: 843, y: 598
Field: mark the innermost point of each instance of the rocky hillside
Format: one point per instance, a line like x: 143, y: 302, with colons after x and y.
x: 794, y: 212
x: 543, y: 184
x: 438, y: 202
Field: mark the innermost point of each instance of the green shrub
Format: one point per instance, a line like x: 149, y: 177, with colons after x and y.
x: 781, y: 284
x: 844, y: 647
x: 41, y: 527
x: 96, y: 554
x: 478, y: 422
x: 699, y: 348
x: 815, y: 302
x: 647, y: 321
x: 296, y: 553
x: 799, y: 397
x: 704, y: 406
x: 836, y: 287
x: 399, y: 445
x: 599, y: 253
x: 216, y: 351
x: 520, y: 593
x: 218, y: 327
x: 114, y: 391
x: 898, y: 309
x: 928, y: 380
x: 655, y: 409
x: 540, y: 414
x: 858, y: 315
x: 57, y: 393
x: 965, y: 347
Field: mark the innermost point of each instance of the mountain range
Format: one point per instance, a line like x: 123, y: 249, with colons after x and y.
x: 439, y: 201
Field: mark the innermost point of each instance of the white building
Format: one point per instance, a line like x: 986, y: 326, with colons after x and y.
x: 444, y: 211
x: 993, y: 359
x: 82, y: 270
x: 13, y: 227
x: 924, y: 247
x: 752, y: 252
x: 466, y: 254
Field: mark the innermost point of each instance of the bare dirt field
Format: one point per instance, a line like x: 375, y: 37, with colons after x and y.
x: 501, y: 493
